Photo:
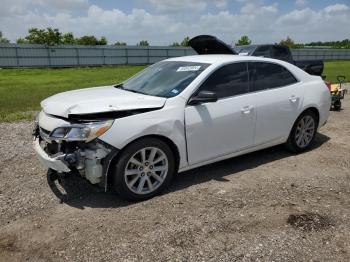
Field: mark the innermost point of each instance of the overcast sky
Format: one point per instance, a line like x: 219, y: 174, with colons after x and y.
x: 162, y: 22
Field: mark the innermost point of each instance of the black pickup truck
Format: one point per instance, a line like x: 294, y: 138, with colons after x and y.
x: 206, y: 44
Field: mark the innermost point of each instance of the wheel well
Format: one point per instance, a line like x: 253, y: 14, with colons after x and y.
x: 315, y: 111
x: 166, y: 140
x: 172, y: 146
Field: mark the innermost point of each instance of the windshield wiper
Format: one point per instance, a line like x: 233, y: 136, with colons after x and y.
x: 121, y: 86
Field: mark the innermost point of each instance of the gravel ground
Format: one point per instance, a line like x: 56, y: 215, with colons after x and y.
x: 265, y: 206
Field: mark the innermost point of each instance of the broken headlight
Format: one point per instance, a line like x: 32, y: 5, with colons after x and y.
x: 81, y: 132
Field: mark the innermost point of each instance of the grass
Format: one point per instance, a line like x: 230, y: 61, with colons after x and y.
x: 334, y: 68
x: 21, y: 90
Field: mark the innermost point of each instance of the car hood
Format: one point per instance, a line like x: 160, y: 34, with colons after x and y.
x: 98, y: 100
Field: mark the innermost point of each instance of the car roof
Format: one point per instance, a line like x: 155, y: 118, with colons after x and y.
x: 218, y: 59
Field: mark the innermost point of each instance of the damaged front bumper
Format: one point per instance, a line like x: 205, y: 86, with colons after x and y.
x: 90, y: 160
x: 56, y: 163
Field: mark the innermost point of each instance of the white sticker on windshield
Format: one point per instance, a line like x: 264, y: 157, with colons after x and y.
x: 188, y: 68
x: 245, y: 53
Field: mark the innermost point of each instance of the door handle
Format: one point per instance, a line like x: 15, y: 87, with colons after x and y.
x: 293, y: 99
x: 246, y: 109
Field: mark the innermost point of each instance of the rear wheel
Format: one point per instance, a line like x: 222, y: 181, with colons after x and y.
x: 337, y: 105
x: 144, y: 169
x: 303, y: 132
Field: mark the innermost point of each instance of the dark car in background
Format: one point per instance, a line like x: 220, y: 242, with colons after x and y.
x: 281, y: 52
x: 207, y: 44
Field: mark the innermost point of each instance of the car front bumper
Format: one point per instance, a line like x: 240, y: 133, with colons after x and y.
x: 56, y: 163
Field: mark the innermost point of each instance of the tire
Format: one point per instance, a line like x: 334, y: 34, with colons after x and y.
x: 337, y: 105
x: 137, y: 176
x: 300, y: 139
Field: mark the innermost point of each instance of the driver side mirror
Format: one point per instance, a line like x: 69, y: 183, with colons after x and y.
x: 203, y: 97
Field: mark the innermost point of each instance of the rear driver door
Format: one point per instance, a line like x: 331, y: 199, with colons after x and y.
x: 279, y: 98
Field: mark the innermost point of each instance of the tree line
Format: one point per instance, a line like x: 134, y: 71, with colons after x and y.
x: 244, y: 40
x: 52, y: 36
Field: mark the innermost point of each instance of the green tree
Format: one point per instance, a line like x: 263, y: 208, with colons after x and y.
x: 175, y: 44
x: 120, y: 43
x: 91, y: 40
x: 21, y: 40
x: 3, y: 40
x: 68, y: 39
x: 332, y: 44
x: 47, y: 36
x: 143, y: 43
x: 185, y: 41
x: 244, y: 40
x: 87, y: 40
x: 288, y: 42
x: 102, y: 41
x: 36, y: 36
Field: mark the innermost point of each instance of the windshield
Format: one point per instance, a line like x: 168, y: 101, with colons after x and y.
x: 164, y: 79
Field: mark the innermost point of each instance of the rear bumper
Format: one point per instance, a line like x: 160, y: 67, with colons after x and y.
x: 55, y: 163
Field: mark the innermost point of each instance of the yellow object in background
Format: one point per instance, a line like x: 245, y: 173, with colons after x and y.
x: 335, y: 87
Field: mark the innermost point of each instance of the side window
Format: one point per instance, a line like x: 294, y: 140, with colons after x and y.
x: 229, y: 80
x: 267, y: 75
x: 263, y: 51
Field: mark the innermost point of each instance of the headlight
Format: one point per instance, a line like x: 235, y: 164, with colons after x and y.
x: 81, y: 132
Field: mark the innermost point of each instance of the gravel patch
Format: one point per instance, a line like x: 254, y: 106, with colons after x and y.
x: 265, y: 206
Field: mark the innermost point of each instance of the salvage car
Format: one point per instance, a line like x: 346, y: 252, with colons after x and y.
x: 176, y: 115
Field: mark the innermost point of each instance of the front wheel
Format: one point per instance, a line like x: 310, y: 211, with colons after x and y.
x: 144, y: 169
x: 303, y: 132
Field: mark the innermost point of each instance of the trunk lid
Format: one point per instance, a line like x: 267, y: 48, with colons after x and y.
x: 207, y: 44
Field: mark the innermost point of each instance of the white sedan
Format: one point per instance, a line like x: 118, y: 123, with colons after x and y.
x: 179, y: 114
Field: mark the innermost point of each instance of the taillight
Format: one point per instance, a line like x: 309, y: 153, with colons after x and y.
x: 329, y: 85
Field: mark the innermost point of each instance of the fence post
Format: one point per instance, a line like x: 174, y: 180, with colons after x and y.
x: 48, y: 55
x: 148, y: 53
x: 17, y: 58
x: 126, y: 56
x: 77, y: 52
x: 104, y: 56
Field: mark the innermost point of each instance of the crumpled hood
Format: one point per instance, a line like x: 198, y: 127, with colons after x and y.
x: 97, y: 100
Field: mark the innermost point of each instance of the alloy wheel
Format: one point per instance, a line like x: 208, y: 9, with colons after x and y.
x: 146, y: 170
x: 305, y: 131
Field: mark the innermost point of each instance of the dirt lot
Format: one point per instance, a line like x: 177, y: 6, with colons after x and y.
x: 267, y: 206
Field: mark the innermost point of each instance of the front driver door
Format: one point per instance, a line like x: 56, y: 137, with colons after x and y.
x: 226, y: 126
